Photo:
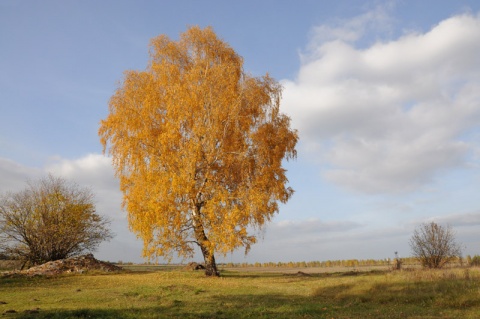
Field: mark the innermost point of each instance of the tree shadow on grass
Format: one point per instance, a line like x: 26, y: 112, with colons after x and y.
x: 79, y: 314
x: 221, y: 307
x: 339, y: 301
x: 425, y: 299
x: 352, y: 299
x: 300, y: 273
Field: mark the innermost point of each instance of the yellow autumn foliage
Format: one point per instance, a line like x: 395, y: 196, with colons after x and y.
x: 198, y: 146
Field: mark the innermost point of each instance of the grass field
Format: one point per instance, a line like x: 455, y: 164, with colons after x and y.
x: 172, y: 293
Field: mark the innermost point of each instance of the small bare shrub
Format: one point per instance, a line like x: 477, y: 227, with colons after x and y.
x: 434, y: 245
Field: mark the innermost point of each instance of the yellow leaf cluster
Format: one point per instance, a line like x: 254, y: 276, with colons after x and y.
x: 198, y: 146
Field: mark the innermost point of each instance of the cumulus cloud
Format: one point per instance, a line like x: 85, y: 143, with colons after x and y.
x: 96, y: 172
x: 93, y: 169
x: 393, y: 116
x: 353, y: 29
x: 470, y: 219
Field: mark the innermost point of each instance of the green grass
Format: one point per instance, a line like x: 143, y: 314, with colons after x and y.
x: 452, y: 293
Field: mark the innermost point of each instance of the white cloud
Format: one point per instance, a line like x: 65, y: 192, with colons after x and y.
x: 14, y: 176
x: 470, y: 219
x: 94, y: 171
x: 353, y: 29
x: 393, y: 116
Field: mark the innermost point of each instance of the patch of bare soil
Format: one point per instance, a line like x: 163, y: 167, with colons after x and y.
x: 78, y: 264
x: 301, y: 271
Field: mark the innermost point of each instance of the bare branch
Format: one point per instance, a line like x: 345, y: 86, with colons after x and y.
x: 434, y: 245
x: 51, y: 219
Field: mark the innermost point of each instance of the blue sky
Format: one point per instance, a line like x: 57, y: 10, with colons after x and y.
x: 385, y: 96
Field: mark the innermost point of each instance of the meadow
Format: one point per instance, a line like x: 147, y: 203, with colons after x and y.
x: 169, y: 292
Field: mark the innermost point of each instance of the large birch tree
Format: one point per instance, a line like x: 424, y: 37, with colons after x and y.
x: 198, y: 146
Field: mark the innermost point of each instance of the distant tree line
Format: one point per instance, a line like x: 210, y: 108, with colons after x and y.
x: 473, y: 261
x: 406, y: 261
x: 312, y: 264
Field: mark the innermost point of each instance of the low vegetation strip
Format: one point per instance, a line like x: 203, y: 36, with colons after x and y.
x: 175, y: 293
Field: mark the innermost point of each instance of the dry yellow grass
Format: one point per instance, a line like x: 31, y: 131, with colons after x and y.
x: 450, y: 293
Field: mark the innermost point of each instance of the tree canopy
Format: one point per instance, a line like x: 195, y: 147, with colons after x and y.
x: 50, y: 219
x: 198, y: 146
x: 435, y: 245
